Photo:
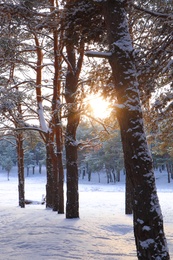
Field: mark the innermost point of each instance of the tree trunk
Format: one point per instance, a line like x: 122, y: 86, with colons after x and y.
x: 114, y: 176
x: 55, y: 178
x: 49, y: 167
x: 59, y: 174
x: 89, y: 175
x: 51, y: 160
x: 59, y: 171
x: 40, y: 167
x: 73, y: 117
x: 21, y: 178
x: 56, y: 120
x: 27, y: 169
x: 61, y: 184
x: 128, y: 196
x: 52, y: 175
x: 171, y: 171
x: 148, y: 222
x: 168, y: 172
x: 72, y: 205
x: 118, y: 175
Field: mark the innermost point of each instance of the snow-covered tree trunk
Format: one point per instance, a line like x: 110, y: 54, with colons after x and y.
x: 148, y: 222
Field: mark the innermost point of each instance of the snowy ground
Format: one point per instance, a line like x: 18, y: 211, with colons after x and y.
x: 103, y: 231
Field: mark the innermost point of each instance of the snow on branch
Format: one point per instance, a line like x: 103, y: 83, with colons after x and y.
x: 98, y: 54
x: 12, y: 9
x: 89, y: 143
x: 153, y: 13
x: 98, y: 121
x: 27, y: 128
x: 42, y: 120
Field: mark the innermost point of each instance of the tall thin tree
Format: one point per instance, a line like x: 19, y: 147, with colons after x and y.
x: 74, y: 64
x: 148, y: 221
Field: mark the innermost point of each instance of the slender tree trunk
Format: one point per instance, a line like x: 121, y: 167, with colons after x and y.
x: 55, y: 176
x: 56, y: 108
x: 72, y: 205
x: 20, y: 151
x: 114, y: 176
x: 40, y: 167
x: 21, y: 178
x: 89, y: 175
x: 73, y: 71
x: 118, y: 175
x: 59, y: 144
x: 27, y: 169
x: 49, y: 168
x: 148, y: 222
x: 171, y: 171
x: 168, y: 172
x: 51, y: 160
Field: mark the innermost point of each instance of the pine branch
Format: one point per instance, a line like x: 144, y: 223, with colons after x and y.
x: 152, y: 13
x: 98, y: 54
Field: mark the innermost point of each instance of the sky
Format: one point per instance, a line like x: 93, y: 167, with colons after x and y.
x: 102, y: 232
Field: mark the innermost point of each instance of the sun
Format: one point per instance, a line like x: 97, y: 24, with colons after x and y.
x: 100, y: 108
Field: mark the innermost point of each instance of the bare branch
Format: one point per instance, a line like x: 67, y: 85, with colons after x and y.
x: 98, y: 54
x: 34, y: 128
x: 153, y: 13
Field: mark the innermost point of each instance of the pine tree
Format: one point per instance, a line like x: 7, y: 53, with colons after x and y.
x: 148, y: 221
x: 74, y: 64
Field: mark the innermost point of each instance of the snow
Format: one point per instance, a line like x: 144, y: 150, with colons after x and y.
x: 147, y: 242
x: 102, y: 232
x: 43, y: 124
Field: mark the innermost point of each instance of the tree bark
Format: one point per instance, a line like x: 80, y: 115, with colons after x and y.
x: 128, y: 196
x: 20, y: 155
x: 56, y: 121
x: 59, y: 144
x: 21, y: 178
x: 148, y: 222
x: 72, y: 205
x: 74, y: 59
x: 51, y: 160
x: 49, y: 171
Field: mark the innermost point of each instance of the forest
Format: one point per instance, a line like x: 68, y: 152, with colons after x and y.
x: 55, y: 57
